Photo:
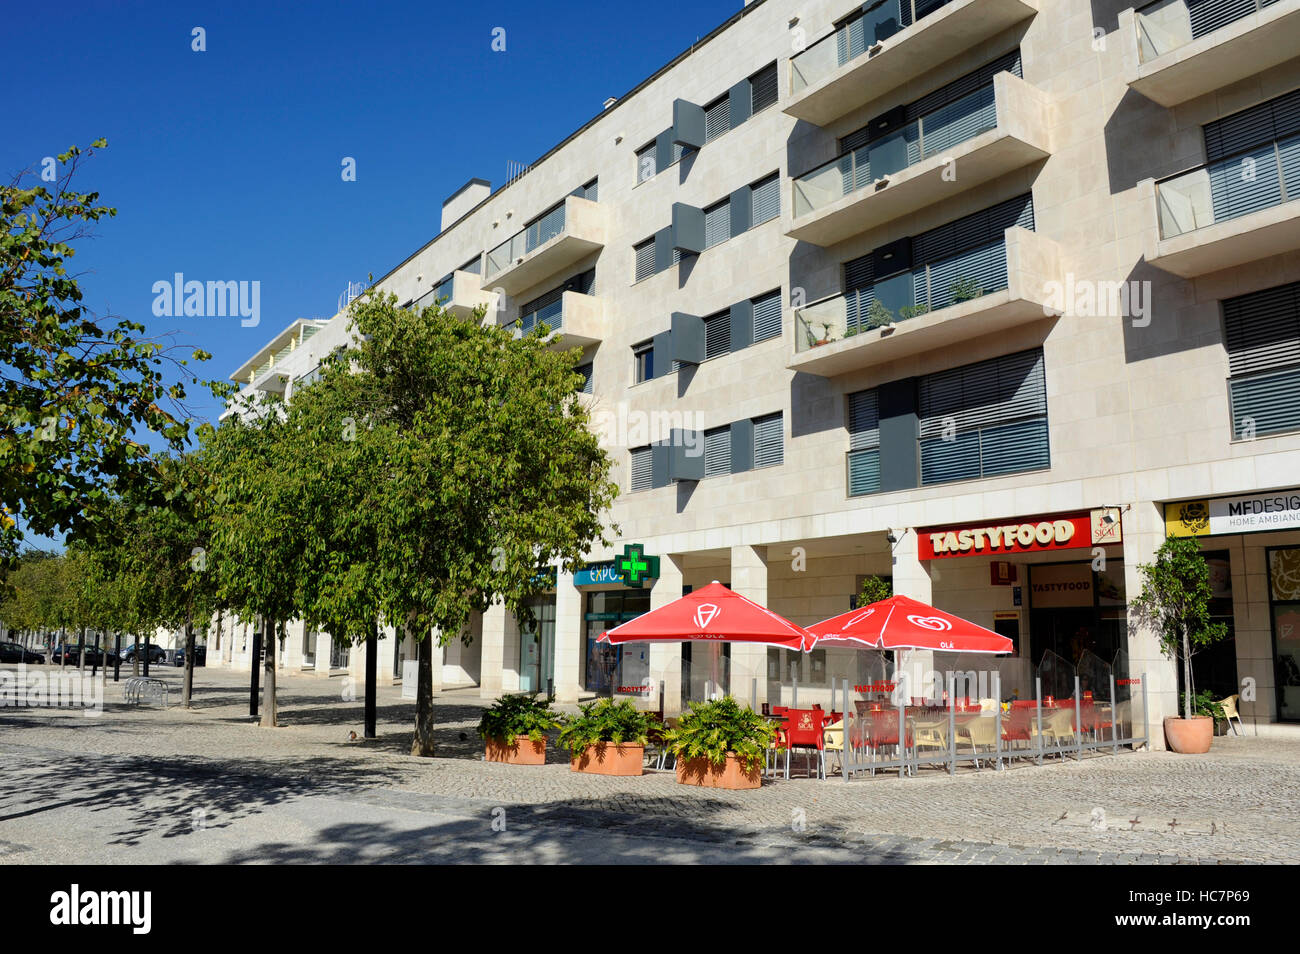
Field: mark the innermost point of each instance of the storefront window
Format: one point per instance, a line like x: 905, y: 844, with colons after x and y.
x: 605, y: 663
x: 1284, y: 607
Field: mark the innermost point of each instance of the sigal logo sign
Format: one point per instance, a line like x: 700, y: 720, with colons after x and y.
x: 705, y: 614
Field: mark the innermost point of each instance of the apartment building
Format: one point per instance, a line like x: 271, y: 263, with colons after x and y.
x: 987, y: 297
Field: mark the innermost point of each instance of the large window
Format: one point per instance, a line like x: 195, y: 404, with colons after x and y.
x: 769, y: 440
x: 864, y: 443
x: 984, y: 419
x: 767, y: 315
x: 1284, y: 606
x: 641, y: 478
x: 643, y: 361
x: 1262, y: 335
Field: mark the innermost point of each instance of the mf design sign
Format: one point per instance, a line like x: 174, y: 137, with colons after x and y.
x: 1246, y: 513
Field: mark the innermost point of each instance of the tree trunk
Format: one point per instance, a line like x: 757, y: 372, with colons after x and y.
x: 117, y: 655
x: 147, y: 643
x: 269, y: 709
x: 63, y: 646
x: 188, y: 685
x: 372, y: 663
x: 422, y: 744
x: 1187, y: 676
x: 81, y: 651
x: 253, y: 670
x: 135, y: 655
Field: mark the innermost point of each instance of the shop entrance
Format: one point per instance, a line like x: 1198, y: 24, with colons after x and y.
x: 605, y: 664
x: 537, y: 649
x: 1075, y: 609
x: 1284, y: 610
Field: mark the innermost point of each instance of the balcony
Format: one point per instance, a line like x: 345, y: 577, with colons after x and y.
x: 1174, y: 53
x: 576, y: 321
x: 556, y: 241
x: 459, y: 294
x: 984, y: 135
x: 848, y: 69
x: 998, y: 287
x: 1216, y: 217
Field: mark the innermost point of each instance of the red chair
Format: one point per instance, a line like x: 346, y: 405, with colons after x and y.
x: 804, y: 731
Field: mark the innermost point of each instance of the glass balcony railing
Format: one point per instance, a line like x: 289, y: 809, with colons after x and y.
x: 930, y: 135
x: 552, y: 315
x: 1170, y: 24
x: 440, y: 294
x: 854, y: 38
x: 526, y: 240
x: 940, y: 284
x: 1229, y: 188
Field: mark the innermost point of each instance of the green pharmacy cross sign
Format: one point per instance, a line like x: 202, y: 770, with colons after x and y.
x: 634, y: 567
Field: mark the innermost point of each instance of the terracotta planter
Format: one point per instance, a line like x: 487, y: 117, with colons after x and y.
x: 1189, y: 736
x: 610, y: 758
x: 523, y: 751
x: 705, y: 774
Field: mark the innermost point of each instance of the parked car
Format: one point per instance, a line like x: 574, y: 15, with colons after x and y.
x: 156, y: 653
x: 200, y: 656
x: 14, y: 653
x: 94, y: 656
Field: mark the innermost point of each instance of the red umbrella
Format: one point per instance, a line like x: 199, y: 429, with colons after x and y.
x: 712, y: 612
x: 904, y: 623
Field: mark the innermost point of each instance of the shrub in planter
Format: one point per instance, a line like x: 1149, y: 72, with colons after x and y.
x: 514, y: 730
x: 1175, y: 602
x: 720, y: 744
x: 607, y: 738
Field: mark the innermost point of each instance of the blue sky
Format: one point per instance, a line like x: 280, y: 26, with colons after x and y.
x: 225, y: 164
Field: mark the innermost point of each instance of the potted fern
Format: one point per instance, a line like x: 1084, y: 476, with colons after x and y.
x: 720, y: 744
x: 514, y: 730
x: 607, y: 738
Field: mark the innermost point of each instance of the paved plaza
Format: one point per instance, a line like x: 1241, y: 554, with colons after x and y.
x: 205, y: 785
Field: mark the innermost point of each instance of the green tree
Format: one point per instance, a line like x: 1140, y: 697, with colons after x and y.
x: 1175, y: 602
x: 261, y: 541
x: 79, y: 395
x: 875, y: 589
x: 491, y: 473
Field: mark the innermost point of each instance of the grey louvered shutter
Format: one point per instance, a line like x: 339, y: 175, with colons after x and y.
x: 717, y: 451
x: 864, y: 443
x: 586, y: 371
x: 1262, y: 335
x: 769, y: 440
x: 1209, y: 15
x: 717, y: 223
x: 955, y: 123
x: 767, y: 315
x: 547, y: 308
x: 717, y: 335
x: 763, y: 90
x: 985, y: 419
x: 717, y: 118
x: 645, y: 259
x: 641, y: 469
x: 767, y: 200
x: 859, y: 275
x: 1244, y: 130
x: 645, y: 163
x: 964, y: 86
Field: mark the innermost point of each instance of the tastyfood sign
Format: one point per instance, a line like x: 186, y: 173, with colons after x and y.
x: 1023, y: 535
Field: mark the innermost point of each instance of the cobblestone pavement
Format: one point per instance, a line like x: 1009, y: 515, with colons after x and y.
x: 1236, y: 804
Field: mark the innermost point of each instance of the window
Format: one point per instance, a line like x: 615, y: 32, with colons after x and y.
x: 864, y: 443
x: 641, y: 477
x: 544, y: 228
x: 717, y: 223
x: 767, y: 315
x: 548, y: 308
x: 717, y: 335
x: 984, y: 419
x: 1264, y: 139
x: 769, y: 440
x: 717, y: 118
x: 645, y: 162
x: 717, y: 451
x: 473, y: 266
x: 766, y: 202
x: 643, y: 356
x: 589, y: 191
x: 1262, y: 335
x: 585, y: 370
x: 645, y: 258
x: 762, y: 88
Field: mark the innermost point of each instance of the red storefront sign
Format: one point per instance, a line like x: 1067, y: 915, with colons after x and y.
x: 1018, y: 535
